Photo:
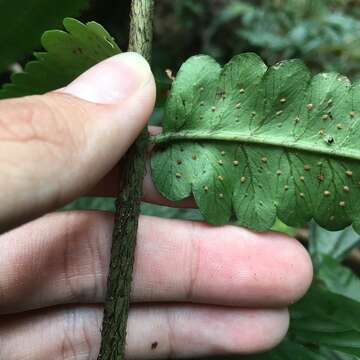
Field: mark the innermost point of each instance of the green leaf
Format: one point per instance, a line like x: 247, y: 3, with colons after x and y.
x: 257, y: 143
x: 92, y: 203
x: 288, y: 350
x: 108, y: 204
x: 279, y: 226
x: 335, y: 244
x: 339, y: 279
x: 68, y: 55
x: 23, y: 22
x: 335, y: 355
x: 327, y: 319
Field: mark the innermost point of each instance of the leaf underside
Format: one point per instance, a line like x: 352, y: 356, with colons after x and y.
x: 253, y: 143
x: 69, y: 53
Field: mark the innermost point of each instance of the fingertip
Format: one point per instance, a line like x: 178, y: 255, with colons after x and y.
x: 113, y: 80
x: 301, y: 277
x: 268, y: 328
x: 272, y: 330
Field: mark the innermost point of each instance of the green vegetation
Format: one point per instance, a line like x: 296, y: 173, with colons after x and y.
x: 325, y: 35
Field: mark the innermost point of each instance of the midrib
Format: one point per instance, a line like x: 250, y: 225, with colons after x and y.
x: 193, y: 135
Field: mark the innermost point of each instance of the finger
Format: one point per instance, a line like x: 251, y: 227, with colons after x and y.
x: 158, y: 331
x: 56, y: 147
x: 64, y: 258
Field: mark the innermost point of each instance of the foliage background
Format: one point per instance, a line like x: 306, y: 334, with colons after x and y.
x: 326, y: 35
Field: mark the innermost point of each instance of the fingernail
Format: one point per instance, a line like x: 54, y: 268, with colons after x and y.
x: 113, y: 80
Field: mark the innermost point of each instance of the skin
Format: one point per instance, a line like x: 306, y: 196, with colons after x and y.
x: 197, y: 290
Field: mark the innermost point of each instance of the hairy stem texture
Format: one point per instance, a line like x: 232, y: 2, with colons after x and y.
x: 127, y: 209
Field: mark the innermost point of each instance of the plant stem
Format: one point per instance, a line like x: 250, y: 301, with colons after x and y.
x: 127, y: 208
x: 141, y: 27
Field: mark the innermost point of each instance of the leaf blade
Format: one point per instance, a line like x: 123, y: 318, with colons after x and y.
x: 268, y: 141
x: 68, y: 54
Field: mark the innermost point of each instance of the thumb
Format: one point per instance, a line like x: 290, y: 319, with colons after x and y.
x: 55, y: 147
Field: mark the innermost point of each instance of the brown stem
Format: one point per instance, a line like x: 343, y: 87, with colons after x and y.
x: 127, y: 209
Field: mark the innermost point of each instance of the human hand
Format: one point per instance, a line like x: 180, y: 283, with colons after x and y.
x: 197, y: 289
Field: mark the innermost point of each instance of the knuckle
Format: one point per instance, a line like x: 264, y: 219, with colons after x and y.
x: 193, y: 256
x: 85, y: 263
x: 76, y: 340
x: 171, y: 340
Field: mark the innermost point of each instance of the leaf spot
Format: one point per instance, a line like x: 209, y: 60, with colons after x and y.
x: 302, y: 195
x: 342, y: 203
x: 325, y: 117
x: 221, y: 195
x: 310, y: 107
x: 302, y: 178
x: 222, y: 152
x: 178, y: 175
x: 307, y: 167
x: 242, y: 179
x: 349, y: 173
x: 264, y: 159
x: 242, y: 91
x: 206, y: 188
x: 327, y: 193
x: 346, y: 189
x: 339, y: 126
x: 236, y: 162
x: 194, y: 157
x: 278, y: 172
x: 286, y: 187
x: 283, y: 100
x: 179, y: 162
x: 221, y: 162
x: 213, y: 109
x: 329, y: 139
x: 352, y: 114
x: 221, y: 178
x: 238, y: 106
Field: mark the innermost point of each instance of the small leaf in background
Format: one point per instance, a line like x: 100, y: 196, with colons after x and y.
x: 108, y: 204
x: 23, y: 22
x: 339, y: 279
x: 257, y: 143
x: 279, y: 226
x: 324, y: 318
x: 335, y: 355
x: 288, y: 350
x: 337, y: 244
x: 92, y: 203
x: 68, y: 55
